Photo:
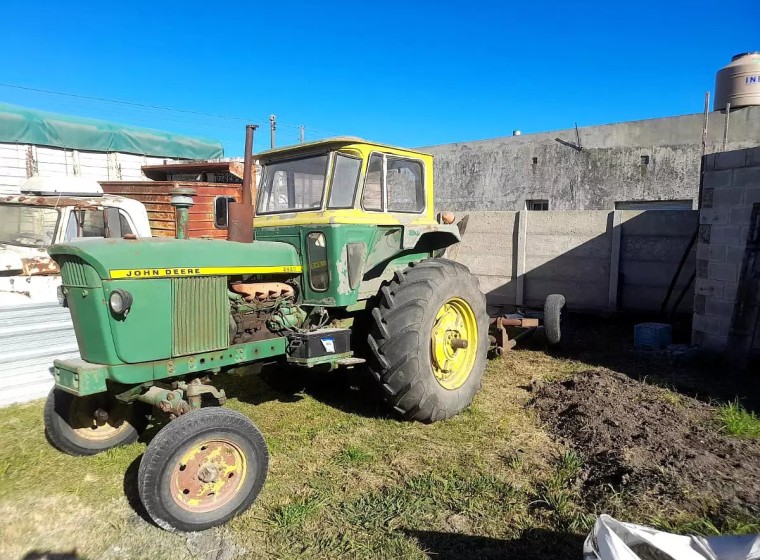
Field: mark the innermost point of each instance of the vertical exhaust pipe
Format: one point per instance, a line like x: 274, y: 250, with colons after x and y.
x: 240, y: 214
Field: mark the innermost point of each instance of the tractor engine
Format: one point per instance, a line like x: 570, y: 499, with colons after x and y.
x: 261, y: 310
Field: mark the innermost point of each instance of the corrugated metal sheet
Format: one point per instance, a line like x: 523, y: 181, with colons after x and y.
x: 31, y: 337
x: 18, y: 161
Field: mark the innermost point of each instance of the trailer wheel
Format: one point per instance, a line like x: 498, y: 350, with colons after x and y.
x: 554, y: 312
x: 89, y: 425
x: 202, y: 469
x: 429, y: 340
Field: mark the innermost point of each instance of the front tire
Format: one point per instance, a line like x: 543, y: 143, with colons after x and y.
x: 75, y: 425
x: 202, y: 469
x: 429, y: 340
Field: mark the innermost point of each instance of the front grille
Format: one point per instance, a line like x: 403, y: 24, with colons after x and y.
x: 201, y: 315
x: 73, y: 271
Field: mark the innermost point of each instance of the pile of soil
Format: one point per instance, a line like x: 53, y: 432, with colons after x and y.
x: 645, y: 438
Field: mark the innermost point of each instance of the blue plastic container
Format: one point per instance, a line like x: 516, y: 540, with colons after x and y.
x: 652, y: 336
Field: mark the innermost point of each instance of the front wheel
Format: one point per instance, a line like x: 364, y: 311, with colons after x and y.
x: 429, y: 340
x: 91, y: 424
x: 202, y: 469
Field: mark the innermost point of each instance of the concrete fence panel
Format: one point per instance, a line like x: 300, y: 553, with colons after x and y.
x: 600, y: 260
x: 653, y: 244
x: 567, y: 253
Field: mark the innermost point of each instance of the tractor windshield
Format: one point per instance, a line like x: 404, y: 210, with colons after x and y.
x: 27, y: 226
x: 293, y: 185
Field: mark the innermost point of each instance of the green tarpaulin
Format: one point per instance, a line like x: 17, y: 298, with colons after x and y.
x: 19, y: 125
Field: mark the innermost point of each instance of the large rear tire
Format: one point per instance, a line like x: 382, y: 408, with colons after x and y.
x: 202, y: 469
x: 89, y: 425
x: 429, y: 340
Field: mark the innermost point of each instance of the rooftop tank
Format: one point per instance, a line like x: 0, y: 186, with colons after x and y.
x: 738, y: 83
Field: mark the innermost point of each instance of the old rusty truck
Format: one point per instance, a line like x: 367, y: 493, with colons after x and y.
x: 53, y: 210
x: 345, y: 268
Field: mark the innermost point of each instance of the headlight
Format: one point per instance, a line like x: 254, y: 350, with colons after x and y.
x: 120, y: 301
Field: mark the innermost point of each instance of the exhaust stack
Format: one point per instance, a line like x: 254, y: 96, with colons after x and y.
x: 240, y: 218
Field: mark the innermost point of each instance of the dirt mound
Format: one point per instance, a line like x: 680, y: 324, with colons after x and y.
x: 645, y: 438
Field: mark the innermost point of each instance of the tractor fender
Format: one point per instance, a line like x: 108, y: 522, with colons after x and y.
x: 430, y: 237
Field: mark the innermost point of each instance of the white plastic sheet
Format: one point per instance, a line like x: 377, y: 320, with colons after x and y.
x: 613, y: 540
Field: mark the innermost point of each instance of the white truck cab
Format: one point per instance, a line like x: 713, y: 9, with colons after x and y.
x: 53, y: 210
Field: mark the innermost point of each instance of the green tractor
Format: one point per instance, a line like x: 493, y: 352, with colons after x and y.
x: 345, y: 268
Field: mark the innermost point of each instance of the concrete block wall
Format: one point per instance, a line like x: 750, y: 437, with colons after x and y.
x: 600, y: 260
x: 730, y: 187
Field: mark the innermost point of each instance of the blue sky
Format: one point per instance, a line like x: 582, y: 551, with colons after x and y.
x: 408, y: 73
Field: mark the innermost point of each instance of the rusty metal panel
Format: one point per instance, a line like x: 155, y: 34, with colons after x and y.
x: 240, y: 222
x: 155, y: 196
x: 31, y: 337
x: 201, y: 315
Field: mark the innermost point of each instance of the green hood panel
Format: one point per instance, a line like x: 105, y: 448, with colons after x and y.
x: 161, y: 257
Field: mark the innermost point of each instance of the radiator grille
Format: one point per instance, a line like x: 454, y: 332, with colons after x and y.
x: 73, y: 271
x: 201, y: 315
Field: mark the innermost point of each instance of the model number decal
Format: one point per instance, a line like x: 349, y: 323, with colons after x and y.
x: 131, y: 273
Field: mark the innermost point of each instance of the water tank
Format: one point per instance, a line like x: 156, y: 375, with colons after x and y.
x: 739, y: 82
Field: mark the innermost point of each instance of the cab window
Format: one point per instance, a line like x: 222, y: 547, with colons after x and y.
x: 316, y: 249
x: 344, y: 182
x: 372, y: 197
x: 221, y: 211
x: 404, y: 183
x: 109, y: 222
x: 293, y: 185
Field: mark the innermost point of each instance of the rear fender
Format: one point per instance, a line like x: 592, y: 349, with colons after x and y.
x: 429, y: 238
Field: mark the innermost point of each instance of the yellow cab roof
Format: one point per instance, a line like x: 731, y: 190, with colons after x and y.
x: 329, y: 144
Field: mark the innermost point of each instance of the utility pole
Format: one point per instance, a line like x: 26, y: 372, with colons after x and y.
x: 301, y: 134
x: 272, y: 128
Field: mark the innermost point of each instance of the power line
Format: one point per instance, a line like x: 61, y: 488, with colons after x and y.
x: 148, y: 106
x: 122, y: 102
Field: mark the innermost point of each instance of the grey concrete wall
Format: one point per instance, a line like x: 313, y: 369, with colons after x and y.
x: 731, y: 186
x: 652, y: 245
x: 600, y: 260
x: 499, y: 174
x: 568, y: 253
x: 488, y: 248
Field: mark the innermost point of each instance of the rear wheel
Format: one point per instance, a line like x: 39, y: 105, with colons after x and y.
x: 429, y: 340
x: 91, y: 424
x: 202, y: 469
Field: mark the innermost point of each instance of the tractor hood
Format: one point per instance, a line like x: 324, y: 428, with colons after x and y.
x: 161, y: 257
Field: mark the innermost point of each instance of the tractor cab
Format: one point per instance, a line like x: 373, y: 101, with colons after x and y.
x: 355, y: 211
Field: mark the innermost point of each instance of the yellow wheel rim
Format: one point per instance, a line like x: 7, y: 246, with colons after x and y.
x: 454, y: 343
x: 209, y: 475
x: 83, y: 417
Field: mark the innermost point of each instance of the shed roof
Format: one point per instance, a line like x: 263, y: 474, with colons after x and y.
x: 19, y: 125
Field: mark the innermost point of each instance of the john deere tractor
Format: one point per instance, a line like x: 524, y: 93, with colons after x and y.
x: 345, y: 269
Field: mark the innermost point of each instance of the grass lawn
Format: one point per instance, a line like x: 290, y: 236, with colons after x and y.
x: 346, y: 480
